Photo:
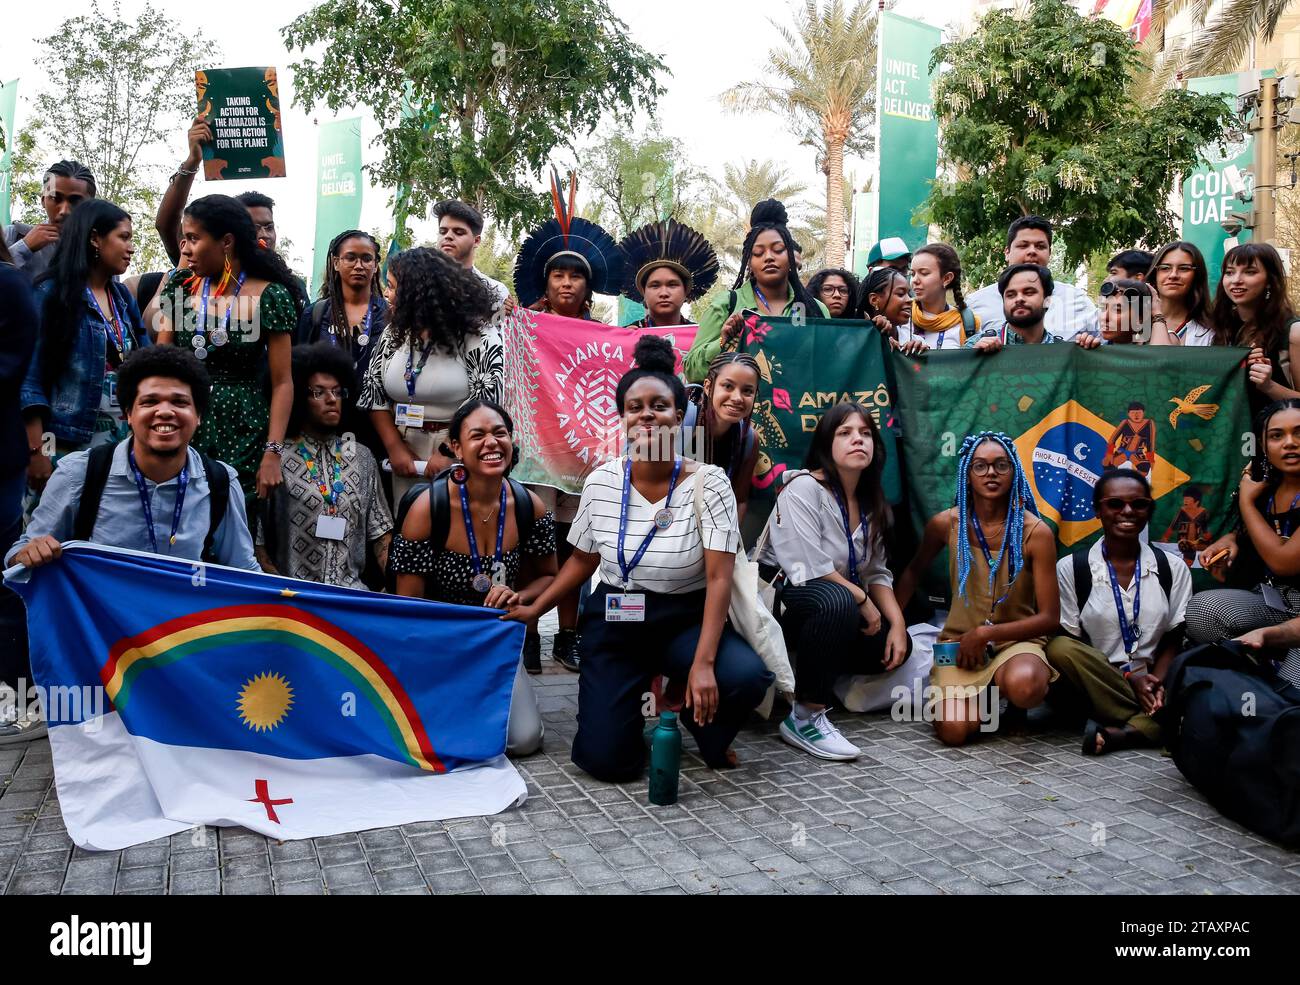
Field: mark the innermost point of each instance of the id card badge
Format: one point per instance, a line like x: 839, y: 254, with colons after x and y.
x: 1272, y: 597
x: 331, y: 527
x: 625, y: 607
x: 409, y: 415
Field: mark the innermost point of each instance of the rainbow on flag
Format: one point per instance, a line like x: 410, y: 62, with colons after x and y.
x: 293, y: 709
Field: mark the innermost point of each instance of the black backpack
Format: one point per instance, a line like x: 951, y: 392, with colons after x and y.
x: 1083, y: 579
x: 1233, y: 728
x: 98, y: 464
x: 440, y: 512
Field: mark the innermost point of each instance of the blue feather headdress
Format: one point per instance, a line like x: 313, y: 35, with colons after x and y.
x: 669, y: 244
x: 567, y: 235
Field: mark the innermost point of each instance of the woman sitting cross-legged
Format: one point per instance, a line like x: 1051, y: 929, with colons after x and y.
x: 827, y: 535
x: 1123, y: 603
x: 1002, y: 568
x: 666, y: 575
x: 477, y: 537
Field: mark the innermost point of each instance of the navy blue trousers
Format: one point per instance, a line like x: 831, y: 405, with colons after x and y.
x: 618, y: 662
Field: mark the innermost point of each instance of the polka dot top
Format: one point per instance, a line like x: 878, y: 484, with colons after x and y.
x: 447, y: 574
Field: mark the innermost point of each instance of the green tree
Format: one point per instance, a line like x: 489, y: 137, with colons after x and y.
x: 25, y: 194
x: 492, y: 89
x: 115, y: 88
x: 639, y: 178
x: 826, y: 67
x: 1038, y: 117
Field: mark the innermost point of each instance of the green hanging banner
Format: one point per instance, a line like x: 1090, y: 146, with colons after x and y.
x: 8, y: 114
x: 338, y: 188
x: 907, y: 137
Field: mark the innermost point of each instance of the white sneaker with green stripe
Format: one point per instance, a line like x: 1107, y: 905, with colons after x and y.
x: 818, y: 736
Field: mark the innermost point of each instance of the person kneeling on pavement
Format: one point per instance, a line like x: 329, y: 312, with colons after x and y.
x: 1123, y: 603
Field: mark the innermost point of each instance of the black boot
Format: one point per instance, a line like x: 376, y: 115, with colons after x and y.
x: 533, y: 653
x: 564, y: 649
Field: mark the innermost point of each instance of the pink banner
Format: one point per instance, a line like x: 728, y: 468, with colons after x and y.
x: 560, y: 378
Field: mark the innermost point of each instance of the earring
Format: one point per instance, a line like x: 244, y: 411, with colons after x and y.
x: 1268, y: 293
x: 459, y: 474
x: 226, y: 273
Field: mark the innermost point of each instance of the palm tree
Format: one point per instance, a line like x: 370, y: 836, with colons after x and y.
x: 723, y: 217
x: 826, y: 66
x: 1218, y: 46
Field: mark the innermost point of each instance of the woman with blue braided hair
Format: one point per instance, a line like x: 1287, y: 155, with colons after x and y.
x: 1005, y: 602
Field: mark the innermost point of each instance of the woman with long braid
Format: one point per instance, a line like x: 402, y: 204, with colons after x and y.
x: 768, y: 283
x: 1005, y: 601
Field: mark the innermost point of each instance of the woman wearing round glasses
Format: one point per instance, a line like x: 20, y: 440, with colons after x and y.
x: 1123, y: 604
x: 1179, y: 276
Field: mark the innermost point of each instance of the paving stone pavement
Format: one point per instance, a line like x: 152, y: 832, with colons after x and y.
x: 1017, y: 815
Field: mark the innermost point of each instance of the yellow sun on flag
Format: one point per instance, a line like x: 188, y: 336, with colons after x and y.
x: 264, y: 701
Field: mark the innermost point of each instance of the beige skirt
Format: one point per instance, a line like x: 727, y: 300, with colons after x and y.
x: 960, y: 683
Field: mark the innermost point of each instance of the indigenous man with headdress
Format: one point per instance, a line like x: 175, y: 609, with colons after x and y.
x: 668, y: 264
x: 768, y: 283
x: 567, y: 261
x: 560, y: 267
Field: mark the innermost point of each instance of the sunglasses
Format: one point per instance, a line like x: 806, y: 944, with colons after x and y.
x: 1110, y: 288
x: 1116, y: 505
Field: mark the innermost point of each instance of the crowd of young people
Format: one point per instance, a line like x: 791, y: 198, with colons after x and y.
x: 175, y: 413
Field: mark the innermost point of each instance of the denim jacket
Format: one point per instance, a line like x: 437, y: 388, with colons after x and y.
x: 69, y: 408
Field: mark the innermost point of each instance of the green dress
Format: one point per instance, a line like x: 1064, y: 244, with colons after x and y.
x: 234, y: 428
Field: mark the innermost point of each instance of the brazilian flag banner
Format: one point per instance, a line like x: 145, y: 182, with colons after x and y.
x: 1177, y: 415
x: 807, y: 366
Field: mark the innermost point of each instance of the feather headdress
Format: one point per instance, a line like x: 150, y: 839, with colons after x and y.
x: 669, y: 244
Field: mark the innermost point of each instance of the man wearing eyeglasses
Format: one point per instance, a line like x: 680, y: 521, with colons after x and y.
x: 460, y: 230
x: 330, y: 511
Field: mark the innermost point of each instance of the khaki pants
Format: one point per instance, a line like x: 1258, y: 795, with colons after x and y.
x: 1109, y: 697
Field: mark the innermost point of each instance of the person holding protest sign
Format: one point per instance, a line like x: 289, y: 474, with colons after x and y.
x: 838, y: 290
x: 1123, y: 603
x: 1005, y: 600
x: 1260, y: 558
x: 233, y: 303
x: 65, y: 185
x: 828, y: 533
x: 438, y: 351
x: 1252, y: 309
x: 665, y: 547
x: 476, y: 537
x: 887, y: 304
x: 1182, y: 285
x: 1026, y: 289
x: 935, y: 320
x: 329, y: 517
x: 88, y: 324
x: 1127, y: 308
x: 1071, y: 311
x: 717, y: 427
x: 768, y: 283
x: 667, y: 264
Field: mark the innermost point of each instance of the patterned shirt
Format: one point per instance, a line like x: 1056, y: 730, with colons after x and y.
x: 290, y: 515
x: 1009, y: 336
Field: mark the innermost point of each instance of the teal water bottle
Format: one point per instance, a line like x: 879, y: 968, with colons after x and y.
x: 665, y: 760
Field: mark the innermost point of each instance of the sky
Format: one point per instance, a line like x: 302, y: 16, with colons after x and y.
x: 707, y: 46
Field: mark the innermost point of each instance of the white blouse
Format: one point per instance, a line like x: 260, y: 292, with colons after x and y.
x: 674, y: 562
x: 445, y: 382
x: 807, y: 537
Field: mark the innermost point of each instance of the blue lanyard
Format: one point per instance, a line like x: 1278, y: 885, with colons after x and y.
x: 988, y: 557
x: 1131, y: 633
x: 759, y: 294
x: 654, y: 527
x: 121, y: 341
x: 853, y: 551
x: 203, y: 311
x: 1277, y: 520
x: 182, y: 481
x: 364, y: 340
x: 413, y: 371
x: 469, y: 530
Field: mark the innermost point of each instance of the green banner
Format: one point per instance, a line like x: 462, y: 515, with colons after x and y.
x: 8, y: 136
x: 1072, y: 414
x: 907, y: 140
x: 1209, y: 192
x: 243, y: 107
x: 338, y: 188
x: 807, y: 368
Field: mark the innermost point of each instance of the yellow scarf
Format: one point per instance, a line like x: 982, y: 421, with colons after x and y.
x: 925, y: 322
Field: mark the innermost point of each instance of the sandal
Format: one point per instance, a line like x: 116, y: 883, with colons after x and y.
x: 1117, y: 737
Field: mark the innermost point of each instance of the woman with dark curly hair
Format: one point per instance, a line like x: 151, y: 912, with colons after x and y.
x: 234, y: 303
x: 838, y: 289
x: 437, y: 352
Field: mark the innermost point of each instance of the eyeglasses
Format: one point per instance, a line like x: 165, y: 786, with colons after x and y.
x: 320, y: 392
x: 835, y: 292
x: 1115, y: 504
x: 1002, y: 467
x: 1182, y: 268
x: 357, y: 259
